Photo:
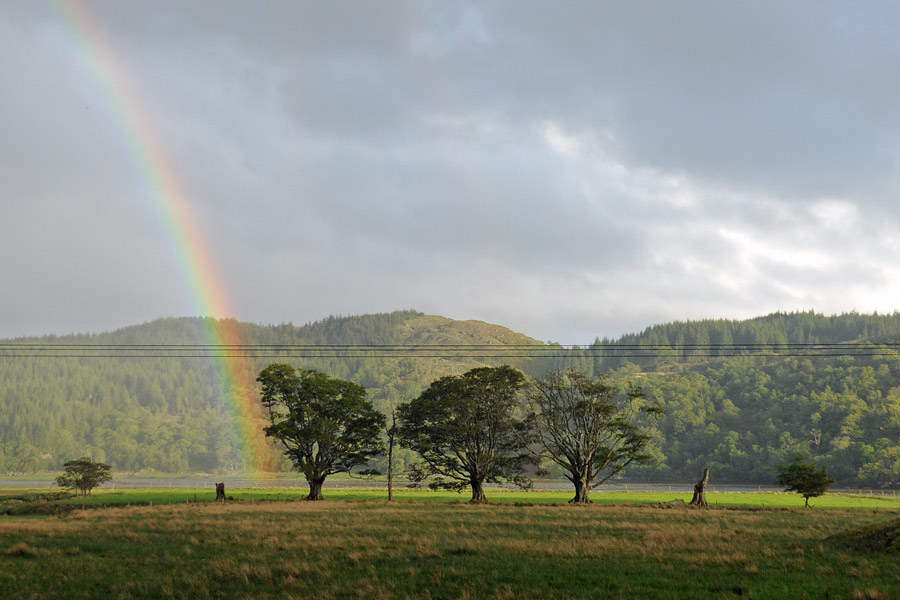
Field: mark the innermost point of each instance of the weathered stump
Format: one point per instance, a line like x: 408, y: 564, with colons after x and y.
x: 699, y: 498
x: 220, y: 492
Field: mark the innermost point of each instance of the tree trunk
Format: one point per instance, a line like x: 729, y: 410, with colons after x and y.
x: 391, y: 472
x: 807, y: 501
x: 315, y: 489
x: 477, y: 491
x: 581, y: 491
x: 699, y: 498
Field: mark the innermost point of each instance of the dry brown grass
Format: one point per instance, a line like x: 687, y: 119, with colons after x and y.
x: 871, y: 595
x: 376, y: 550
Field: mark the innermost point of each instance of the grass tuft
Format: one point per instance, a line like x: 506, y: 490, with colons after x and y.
x: 884, y: 537
x: 870, y: 595
x: 22, y: 550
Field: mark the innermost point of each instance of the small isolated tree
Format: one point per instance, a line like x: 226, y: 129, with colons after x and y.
x: 326, y: 424
x: 466, y: 430
x: 802, y: 477
x: 83, y: 474
x: 589, y: 427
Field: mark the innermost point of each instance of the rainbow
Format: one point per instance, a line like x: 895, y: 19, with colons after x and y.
x: 172, y: 203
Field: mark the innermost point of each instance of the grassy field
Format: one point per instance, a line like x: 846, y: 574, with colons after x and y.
x: 434, y: 545
x: 105, y: 497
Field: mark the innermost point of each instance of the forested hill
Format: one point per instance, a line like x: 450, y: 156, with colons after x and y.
x: 744, y: 396
x: 776, y: 334
x: 738, y: 398
x: 143, y: 410
x: 777, y: 328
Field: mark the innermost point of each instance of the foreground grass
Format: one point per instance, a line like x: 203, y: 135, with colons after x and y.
x: 413, y: 549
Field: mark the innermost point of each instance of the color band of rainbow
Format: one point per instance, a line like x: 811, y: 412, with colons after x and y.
x: 172, y: 204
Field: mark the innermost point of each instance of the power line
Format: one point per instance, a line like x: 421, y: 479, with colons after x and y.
x: 434, y: 350
x: 442, y: 345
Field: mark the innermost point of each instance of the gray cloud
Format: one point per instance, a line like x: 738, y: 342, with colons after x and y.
x: 568, y: 170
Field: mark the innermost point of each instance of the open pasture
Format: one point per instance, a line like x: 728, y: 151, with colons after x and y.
x: 513, y: 548
x: 10, y: 498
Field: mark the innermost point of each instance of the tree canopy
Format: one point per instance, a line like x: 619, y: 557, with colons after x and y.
x: 325, y: 424
x: 589, y: 427
x: 84, y: 474
x: 804, y: 478
x: 466, y: 430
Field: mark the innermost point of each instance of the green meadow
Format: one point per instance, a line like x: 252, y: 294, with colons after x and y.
x: 106, y: 497
x: 267, y: 543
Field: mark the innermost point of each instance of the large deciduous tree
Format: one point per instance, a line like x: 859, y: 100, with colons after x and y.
x: 589, y: 427
x: 804, y: 478
x: 466, y: 430
x: 84, y: 474
x: 325, y: 424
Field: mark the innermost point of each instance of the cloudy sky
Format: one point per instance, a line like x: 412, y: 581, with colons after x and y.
x: 569, y: 170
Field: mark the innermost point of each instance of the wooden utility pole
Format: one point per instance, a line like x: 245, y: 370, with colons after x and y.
x: 392, y: 435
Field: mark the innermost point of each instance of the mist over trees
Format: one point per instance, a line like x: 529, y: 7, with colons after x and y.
x: 735, y: 398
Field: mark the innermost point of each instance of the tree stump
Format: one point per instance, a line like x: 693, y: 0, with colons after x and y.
x: 220, y: 492
x: 699, y: 498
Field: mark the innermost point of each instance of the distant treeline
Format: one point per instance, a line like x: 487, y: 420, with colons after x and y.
x: 722, y: 337
x: 728, y: 406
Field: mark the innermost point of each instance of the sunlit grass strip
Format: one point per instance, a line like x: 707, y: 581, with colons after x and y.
x: 110, y: 497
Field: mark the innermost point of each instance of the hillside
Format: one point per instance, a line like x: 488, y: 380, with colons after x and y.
x: 744, y: 396
x: 143, y: 410
x: 795, y: 327
x: 740, y: 396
